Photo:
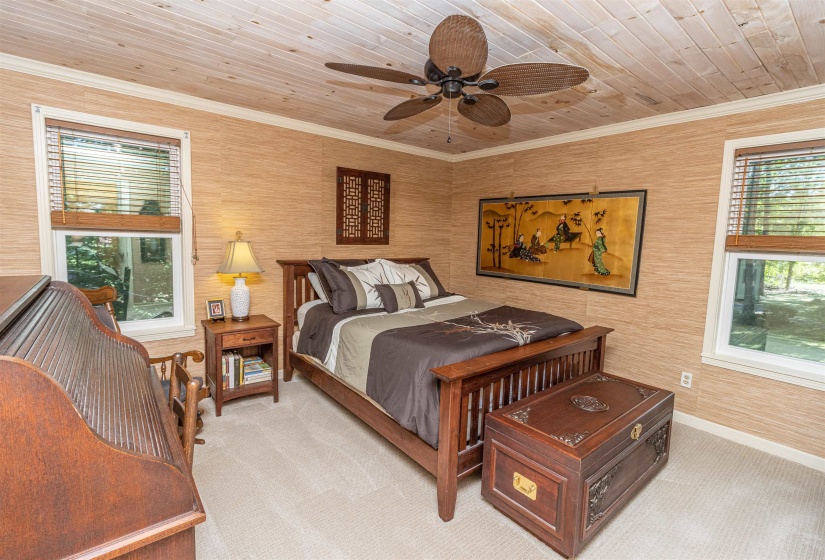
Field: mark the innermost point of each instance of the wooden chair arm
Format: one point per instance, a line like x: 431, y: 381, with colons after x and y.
x: 186, y: 411
x: 100, y: 296
x: 196, y: 355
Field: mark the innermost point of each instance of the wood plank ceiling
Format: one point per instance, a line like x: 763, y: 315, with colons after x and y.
x: 646, y: 57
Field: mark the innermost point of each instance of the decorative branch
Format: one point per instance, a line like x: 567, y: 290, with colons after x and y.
x: 520, y: 333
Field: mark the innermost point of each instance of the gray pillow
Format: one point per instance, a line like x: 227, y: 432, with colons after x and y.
x: 343, y: 294
x: 399, y: 296
x: 320, y: 267
x: 104, y: 316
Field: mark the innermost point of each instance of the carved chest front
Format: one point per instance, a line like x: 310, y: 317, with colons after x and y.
x: 563, y: 462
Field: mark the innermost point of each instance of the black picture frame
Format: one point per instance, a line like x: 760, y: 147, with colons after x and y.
x: 621, y: 230
x: 216, y: 309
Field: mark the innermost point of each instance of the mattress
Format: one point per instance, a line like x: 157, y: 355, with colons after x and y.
x: 318, y: 363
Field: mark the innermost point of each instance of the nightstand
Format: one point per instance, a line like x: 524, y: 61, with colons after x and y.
x: 256, y: 337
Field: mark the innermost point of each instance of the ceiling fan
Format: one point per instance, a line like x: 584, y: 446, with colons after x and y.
x: 458, y: 55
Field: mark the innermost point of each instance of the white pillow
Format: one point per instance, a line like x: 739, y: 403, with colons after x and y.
x: 368, y: 276
x: 316, y: 285
x: 402, y: 273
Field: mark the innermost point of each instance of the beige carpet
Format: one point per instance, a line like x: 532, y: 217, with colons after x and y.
x: 306, y: 479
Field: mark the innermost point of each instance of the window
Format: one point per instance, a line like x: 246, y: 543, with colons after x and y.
x: 766, y: 310
x: 363, y: 208
x: 110, y: 197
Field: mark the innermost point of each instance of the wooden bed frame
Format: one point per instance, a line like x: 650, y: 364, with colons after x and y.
x: 468, y: 391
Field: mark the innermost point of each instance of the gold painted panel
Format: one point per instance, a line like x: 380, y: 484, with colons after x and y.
x: 588, y: 241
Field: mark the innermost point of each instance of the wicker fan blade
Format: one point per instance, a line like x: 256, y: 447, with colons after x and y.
x: 459, y: 43
x: 412, y: 107
x: 533, y: 78
x: 488, y: 110
x: 377, y: 73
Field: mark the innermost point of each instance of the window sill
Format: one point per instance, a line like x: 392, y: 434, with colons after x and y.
x: 729, y: 362
x: 150, y: 335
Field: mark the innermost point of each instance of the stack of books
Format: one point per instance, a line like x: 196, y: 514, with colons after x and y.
x: 256, y: 370
x: 238, y: 371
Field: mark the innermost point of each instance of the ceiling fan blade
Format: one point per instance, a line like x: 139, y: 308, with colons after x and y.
x: 459, y: 44
x: 377, y: 73
x: 488, y: 110
x: 533, y: 78
x: 412, y: 107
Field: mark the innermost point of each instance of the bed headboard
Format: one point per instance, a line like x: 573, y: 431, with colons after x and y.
x: 298, y: 291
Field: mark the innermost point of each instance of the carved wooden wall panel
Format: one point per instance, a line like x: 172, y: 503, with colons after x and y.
x: 363, y: 208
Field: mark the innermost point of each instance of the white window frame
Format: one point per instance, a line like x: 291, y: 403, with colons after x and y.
x: 134, y: 328
x: 715, y: 350
x: 183, y: 322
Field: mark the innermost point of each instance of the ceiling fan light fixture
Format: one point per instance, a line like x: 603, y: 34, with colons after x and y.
x: 487, y: 85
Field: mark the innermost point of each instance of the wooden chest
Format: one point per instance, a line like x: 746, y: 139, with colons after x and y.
x: 562, y: 462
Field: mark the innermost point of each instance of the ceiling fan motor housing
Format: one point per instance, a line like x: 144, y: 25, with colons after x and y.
x: 452, y: 89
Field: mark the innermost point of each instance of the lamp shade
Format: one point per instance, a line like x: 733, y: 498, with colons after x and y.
x: 239, y: 258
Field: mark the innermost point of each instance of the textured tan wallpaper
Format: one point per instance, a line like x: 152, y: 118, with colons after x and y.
x: 659, y: 333
x: 278, y: 186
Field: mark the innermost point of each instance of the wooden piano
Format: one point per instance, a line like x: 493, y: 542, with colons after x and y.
x: 91, y: 465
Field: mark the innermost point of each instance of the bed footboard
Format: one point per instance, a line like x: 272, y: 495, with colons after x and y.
x: 472, y: 389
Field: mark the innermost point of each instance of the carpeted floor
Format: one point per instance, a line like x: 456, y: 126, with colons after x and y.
x: 306, y: 479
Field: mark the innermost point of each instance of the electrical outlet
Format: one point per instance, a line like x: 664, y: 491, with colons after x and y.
x: 687, y: 379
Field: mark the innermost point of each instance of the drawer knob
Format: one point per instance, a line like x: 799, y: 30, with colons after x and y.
x: 636, y: 431
x: 524, y: 485
x: 248, y: 339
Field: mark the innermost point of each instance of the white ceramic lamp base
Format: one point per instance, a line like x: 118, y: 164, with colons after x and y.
x: 239, y: 298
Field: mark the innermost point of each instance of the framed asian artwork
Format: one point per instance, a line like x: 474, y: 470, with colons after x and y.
x: 588, y: 241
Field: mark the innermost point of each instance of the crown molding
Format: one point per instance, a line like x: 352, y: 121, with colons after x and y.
x: 88, y: 79
x: 800, y: 95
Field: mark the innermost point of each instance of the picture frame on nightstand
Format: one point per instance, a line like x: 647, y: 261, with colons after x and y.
x: 216, y: 310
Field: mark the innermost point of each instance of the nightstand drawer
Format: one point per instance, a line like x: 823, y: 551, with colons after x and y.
x: 248, y: 338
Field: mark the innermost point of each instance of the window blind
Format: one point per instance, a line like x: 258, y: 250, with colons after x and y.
x: 107, y: 179
x: 778, y: 199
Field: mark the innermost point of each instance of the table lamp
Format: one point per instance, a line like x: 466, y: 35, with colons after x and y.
x: 239, y: 260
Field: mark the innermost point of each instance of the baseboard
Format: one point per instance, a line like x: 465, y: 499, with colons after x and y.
x: 762, y: 444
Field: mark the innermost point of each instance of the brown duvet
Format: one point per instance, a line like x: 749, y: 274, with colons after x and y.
x: 389, y: 356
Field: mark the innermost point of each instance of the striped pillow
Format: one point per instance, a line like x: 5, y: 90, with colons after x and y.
x: 353, y: 287
x: 397, y: 297
x: 327, y: 267
x: 397, y: 273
